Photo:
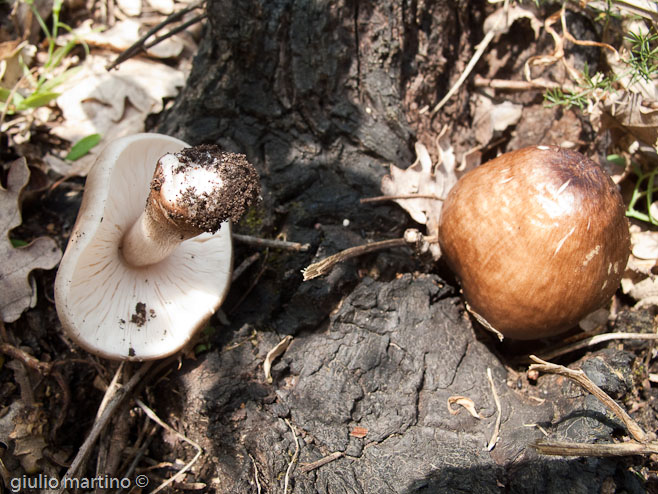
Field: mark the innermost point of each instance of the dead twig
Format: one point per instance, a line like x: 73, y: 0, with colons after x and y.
x: 499, y: 412
x: 509, y: 85
x: 245, y: 293
x: 585, y: 449
x: 253, y: 460
x: 244, y: 265
x: 293, y: 460
x: 43, y: 368
x: 581, y: 378
x: 481, y: 48
x: 322, y: 267
x: 117, y: 397
x: 151, y: 414
x: 138, y: 45
x: 367, y: 200
x: 270, y: 242
x: 307, y: 467
x: 595, y: 340
x: 175, y: 30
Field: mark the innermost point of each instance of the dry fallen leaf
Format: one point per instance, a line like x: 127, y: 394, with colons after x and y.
x: 645, y: 245
x: 275, y: 352
x: 465, y: 402
x: 28, y: 424
x: 17, y: 292
x: 633, y: 113
x: 112, y: 104
x: 489, y: 117
x: 639, y: 281
x: 429, y: 182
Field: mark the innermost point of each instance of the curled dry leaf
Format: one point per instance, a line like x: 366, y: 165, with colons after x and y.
x: 275, y: 352
x: 431, y: 182
x: 17, y: 291
x: 465, y: 402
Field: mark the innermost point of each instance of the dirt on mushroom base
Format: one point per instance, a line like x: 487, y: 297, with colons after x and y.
x: 207, y: 211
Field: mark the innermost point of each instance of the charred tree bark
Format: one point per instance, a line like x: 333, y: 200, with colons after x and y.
x: 322, y: 96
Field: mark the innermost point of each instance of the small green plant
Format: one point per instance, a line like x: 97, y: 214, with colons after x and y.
x: 644, y: 191
x: 588, y: 89
x: 644, y: 56
x: 41, y: 83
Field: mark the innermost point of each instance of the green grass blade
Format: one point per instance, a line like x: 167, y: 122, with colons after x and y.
x: 83, y: 146
x: 36, y: 100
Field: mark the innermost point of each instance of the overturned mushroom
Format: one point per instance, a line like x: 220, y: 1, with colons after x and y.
x: 137, y: 283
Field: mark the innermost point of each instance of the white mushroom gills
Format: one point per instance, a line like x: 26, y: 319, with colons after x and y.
x: 152, y: 305
x: 155, y: 235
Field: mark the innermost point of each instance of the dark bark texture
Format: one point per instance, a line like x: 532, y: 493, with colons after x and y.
x: 317, y: 95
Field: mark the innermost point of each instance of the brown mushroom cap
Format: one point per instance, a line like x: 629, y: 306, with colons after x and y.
x: 538, y: 238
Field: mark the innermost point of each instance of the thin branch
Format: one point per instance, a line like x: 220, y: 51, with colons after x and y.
x: 586, y: 449
x: 467, y: 71
x: 269, y: 242
x: 595, y: 340
x: 499, y: 412
x: 138, y: 45
x: 367, y: 200
x: 513, y: 85
x: 175, y: 30
x: 110, y: 391
x: 244, y: 265
x: 101, y: 422
x: 322, y: 461
x: 322, y: 267
x: 151, y: 414
x: 293, y: 459
x: 581, y: 378
x: 43, y: 368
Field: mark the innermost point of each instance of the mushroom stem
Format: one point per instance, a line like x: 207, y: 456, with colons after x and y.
x: 149, y: 241
x: 192, y: 192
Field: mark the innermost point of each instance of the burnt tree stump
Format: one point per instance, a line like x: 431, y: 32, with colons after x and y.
x: 320, y: 96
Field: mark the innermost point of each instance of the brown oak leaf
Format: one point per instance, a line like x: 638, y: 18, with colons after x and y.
x: 17, y: 290
x: 429, y: 182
